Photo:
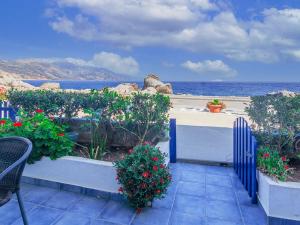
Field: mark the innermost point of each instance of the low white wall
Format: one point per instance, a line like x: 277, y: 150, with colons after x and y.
x: 279, y: 199
x: 205, y: 143
x: 87, y: 173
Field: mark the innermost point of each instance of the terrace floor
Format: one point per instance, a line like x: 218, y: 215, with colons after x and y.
x: 199, y: 195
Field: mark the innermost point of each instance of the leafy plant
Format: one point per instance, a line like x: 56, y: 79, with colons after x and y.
x: 216, y: 102
x: 270, y: 162
x: 143, y: 175
x: 48, y: 138
x: 276, y: 121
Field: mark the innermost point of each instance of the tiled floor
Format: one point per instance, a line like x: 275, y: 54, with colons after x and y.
x: 199, y: 195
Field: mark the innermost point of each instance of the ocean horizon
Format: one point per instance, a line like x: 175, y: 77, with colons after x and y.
x: 217, y: 88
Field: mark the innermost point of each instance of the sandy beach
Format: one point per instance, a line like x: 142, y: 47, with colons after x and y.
x: 191, y: 110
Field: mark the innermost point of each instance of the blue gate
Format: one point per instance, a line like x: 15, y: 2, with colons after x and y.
x: 7, y: 112
x: 244, y: 156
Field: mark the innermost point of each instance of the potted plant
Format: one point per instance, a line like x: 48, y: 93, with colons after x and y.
x: 215, y: 106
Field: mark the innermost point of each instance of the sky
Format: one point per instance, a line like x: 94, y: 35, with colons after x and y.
x: 179, y: 40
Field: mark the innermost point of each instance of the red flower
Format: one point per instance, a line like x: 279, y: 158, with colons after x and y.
x: 157, y: 191
x: 130, y: 151
x: 162, y: 166
x: 39, y: 111
x: 155, y: 168
x: 266, y: 155
x: 286, y: 167
x: 138, y: 210
x: 146, y: 174
x: 61, y: 134
x: 283, y: 158
x: 2, y: 122
x: 143, y: 185
x: 162, y: 180
x: 120, y: 189
x: 18, y: 124
x: 146, y: 143
x: 155, y: 158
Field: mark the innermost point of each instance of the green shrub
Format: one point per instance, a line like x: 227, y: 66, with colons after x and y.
x: 143, y: 175
x: 276, y: 121
x: 48, y: 139
x: 270, y: 162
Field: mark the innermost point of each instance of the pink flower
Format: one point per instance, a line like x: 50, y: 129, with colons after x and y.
x: 283, y: 158
x: 155, y: 168
x: 130, y: 151
x: 286, y: 167
x: 266, y: 155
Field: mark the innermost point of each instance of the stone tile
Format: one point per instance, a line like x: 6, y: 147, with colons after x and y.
x: 253, y: 215
x: 88, y: 206
x: 219, y: 170
x: 39, y: 195
x: 10, y: 212
x: 191, y: 188
x: 193, y: 167
x: 224, y: 181
x: 152, y: 216
x: 102, y: 222
x: 117, y: 212
x: 185, y: 219
x: 220, y: 193
x: 166, y: 202
x: 223, y: 211
x: 187, y: 204
x: 73, y: 219
x: 243, y: 198
x: 41, y: 216
x: 192, y: 176
x: 63, y: 200
x: 212, y: 221
x: 236, y: 183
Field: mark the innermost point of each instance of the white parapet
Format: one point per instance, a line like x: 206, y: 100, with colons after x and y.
x: 279, y: 199
x: 78, y: 171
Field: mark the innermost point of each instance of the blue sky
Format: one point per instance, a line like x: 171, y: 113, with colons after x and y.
x: 190, y: 40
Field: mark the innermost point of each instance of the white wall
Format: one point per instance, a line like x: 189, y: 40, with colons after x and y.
x: 205, y: 143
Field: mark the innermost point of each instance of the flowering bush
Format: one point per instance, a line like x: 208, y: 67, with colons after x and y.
x: 48, y: 138
x: 143, y: 175
x: 270, y: 162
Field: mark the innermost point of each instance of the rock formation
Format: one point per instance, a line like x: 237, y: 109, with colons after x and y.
x: 10, y: 82
x: 284, y: 93
x: 126, y: 88
x: 153, y: 81
x: 50, y: 86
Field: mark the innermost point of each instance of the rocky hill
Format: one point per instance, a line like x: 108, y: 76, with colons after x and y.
x: 56, y: 70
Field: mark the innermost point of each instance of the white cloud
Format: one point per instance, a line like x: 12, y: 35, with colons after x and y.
x: 209, y: 66
x: 106, y: 60
x: 185, y: 24
x: 115, y: 63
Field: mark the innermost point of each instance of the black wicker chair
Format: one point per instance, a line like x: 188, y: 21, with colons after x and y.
x: 14, y: 152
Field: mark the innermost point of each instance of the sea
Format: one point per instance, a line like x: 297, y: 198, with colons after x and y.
x: 191, y: 88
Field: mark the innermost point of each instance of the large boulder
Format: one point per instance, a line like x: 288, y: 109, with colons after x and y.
x: 284, y: 93
x: 150, y: 90
x: 10, y: 82
x: 153, y: 81
x: 50, y: 86
x: 126, y: 88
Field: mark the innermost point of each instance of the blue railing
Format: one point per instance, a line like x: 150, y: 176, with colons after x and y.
x: 172, y: 134
x: 6, y: 111
x: 244, y: 156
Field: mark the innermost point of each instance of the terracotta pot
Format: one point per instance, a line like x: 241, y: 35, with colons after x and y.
x: 215, y: 108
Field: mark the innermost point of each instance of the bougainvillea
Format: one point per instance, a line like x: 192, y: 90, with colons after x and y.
x: 48, y: 138
x: 270, y: 162
x: 143, y: 175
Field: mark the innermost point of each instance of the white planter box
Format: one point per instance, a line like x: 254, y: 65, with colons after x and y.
x: 279, y: 199
x: 80, y: 172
